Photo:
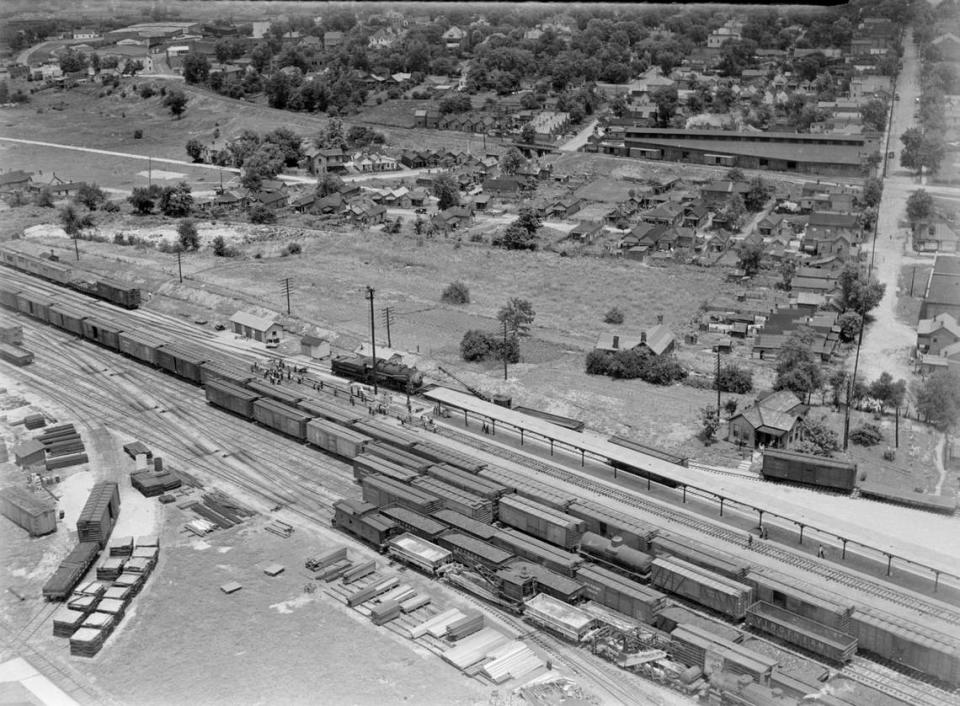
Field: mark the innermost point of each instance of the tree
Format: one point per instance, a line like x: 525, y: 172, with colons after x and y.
x: 817, y: 438
x: 887, y: 392
x: 456, y: 293
x: 619, y: 105
x: 518, y: 314
x: 938, y: 399
x: 528, y: 134
x: 260, y: 214
x: 512, y: 161
x: 665, y: 98
x: 476, y: 345
x: 750, y: 258
x: 756, y: 198
x: 613, y: 316
x: 516, y: 237
x: 736, y: 174
x: 872, y: 191
x: 220, y: 248
x: 278, y: 90
x: 176, y: 102
x: 856, y: 292
x: 265, y: 163
x: 849, y: 323
x: 838, y: 382
x: 788, y: 270
x: 735, y: 379
x: 866, y: 435
x: 733, y: 211
x: 922, y: 150
x: 710, y: 423
x: 874, y: 114
x: 260, y: 57
x: 196, y: 68
x: 195, y: 149
x: 176, y: 201
x: 920, y: 206
x: 90, y: 195
x: 797, y: 368
x: 143, y: 199
x: 327, y: 184
x: 73, y: 222
x: 446, y: 191
x: 188, y: 239
x: 44, y: 198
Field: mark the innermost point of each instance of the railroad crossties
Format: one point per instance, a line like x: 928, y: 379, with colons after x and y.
x: 566, y: 557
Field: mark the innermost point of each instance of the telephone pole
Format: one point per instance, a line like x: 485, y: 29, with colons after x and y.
x: 505, y: 353
x: 373, y: 339
x: 179, y: 267
x: 387, y: 318
x: 286, y: 288
x: 76, y: 245
x: 718, y: 383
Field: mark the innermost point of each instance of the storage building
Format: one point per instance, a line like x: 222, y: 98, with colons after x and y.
x: 35, y: 513
x: 259, y: 328
x: 30, y: 452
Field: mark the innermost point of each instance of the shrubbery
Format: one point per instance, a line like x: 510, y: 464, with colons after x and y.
x: 866, y: 435
x: 659, y: 370
x: 735, y: 379
x: 456, y: 293
x: 480, y: 345
x: 261, y: 214
x: 614, y: 316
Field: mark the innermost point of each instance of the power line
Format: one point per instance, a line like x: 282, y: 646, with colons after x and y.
x: 373, y: 340
x: 388, y: 317
x: 286, y: 288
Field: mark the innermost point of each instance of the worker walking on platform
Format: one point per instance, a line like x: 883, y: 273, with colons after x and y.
x: 749, y: 540
x: 820, y: 552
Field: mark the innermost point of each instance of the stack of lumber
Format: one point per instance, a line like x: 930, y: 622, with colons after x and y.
x: 355, y: 573
x: 474, y: 648
x: 384, y: 612
x: 66, y: 621
x: 151, y: 554
x: 445, y: 618
x: 221, y: 510
x: 334, y: 571
x: 401, y: 593
x: 151, y: 484
x: 121, y: 546
x: 92, y: 588
x: 34, y: 421
x: 114, y: 607
x: 118, y: 593
x: 371, y: 591
x: 82, y: 604
x: 131, y: 580
x: 511, y: 661
x: 465, y: 627
x: 86, y: 642
x: 103, y: 622
x: 111, y: 568
x: 327, y: 558
x: 415, y: 603
x: 138, y: 565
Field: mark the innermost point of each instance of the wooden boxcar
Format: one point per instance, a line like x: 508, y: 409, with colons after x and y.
x: 459, y: 478
x: 621, y: 594
x: 99, y: 329
x: 366, y: 464
x: 704, y: 556
x: 541, y: 521
x: 454, y: 498
x: 398, y: 456
x: 33, y: 512
x: 387, y: 433
x: 716, y: 592
x: 362, y: 520
x: 289, y: 397
x: 182, y: 360
x: 119, y: 293
x: 67, y: 317
x: 335, y: 438
x: 280, y: 417
x: 798, y: 596
x: 610, y: 523
x: 15, y: 355
x: 140, y: 345
x: 468, y: 525
x: 34, y: 304
x: 8, y: 295
x: 439, y: 453
x: 922, y: 501
x: 538, y: 551
x: 99, y: 514
x: 383, y: 491
x: 345, y: 414
x: 225, y: 372
x: 230, y: 397
x: 807, y: 469
x: 815, y: 637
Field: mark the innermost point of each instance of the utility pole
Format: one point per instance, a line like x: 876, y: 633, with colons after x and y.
x: 718, y: 383
x: 851, y: 383
x: 387, y: 317
x: 286, y: 288
x: 179, y: 268
x: 76, y: 245
x: 149, y: 171
x: 373, y: 339
x: 913, y: 276
x: 504, y: 349
x: 897, y: 430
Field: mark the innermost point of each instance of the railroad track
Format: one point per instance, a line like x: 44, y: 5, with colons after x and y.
x: 908, y: 689
x: 825, y: 570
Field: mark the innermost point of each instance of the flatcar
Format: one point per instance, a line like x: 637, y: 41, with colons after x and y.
x: 394, y: 376
x: 807, y: 469
x: 822, y: 640
x: 922, y: 501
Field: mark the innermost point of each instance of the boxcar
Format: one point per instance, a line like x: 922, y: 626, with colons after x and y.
x: 335, y: 438
x: 441, y: 454
x: 362, y: 520
x: 454, y: 498
x: 815, y: 637
x: 67, y: 318
x: 806, y: 469
x: 366, y: 464
x: 34, y: 304
x: 15, y: 355
x: 541, y: 521
x: 521, y: 579
x: 184, y: 361
x: 471, y: 551
x: 383, y: 491
x: 230, y: 397
x: 8, y: 296
x: 457, y: 477
x: 119, y: 293
x: 225, y: 372
x: 623, y: 595
x: 922, y: 501
x: 345, y: 414
x: 610, y: 523
x: 279, y: 417
x: 99, y: 514
x: 701, y: 555
x: 397, y: 456
x: 387, y: 433
x: 716, y: 592
x: 106, y: 333
x: 283, y: 395
x: 140, y: 345
x: 468, y: 525
x: 538, y: 551
x: 415, y: 522
x: 805, y: 599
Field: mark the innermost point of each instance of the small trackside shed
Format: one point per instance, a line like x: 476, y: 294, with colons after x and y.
x: 259, y: 328
x: 35, y: 513
x: 28, y: 453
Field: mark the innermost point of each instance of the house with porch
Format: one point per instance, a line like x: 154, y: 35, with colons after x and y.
x: 774, y: 420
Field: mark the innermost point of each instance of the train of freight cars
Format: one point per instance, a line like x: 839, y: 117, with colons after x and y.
x: 110, y: 290
x: 680, y: 567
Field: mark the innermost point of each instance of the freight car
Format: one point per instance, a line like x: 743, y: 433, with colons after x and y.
x: 454, y: 498
x: 541, y: 521
x: 394, y: 376
x: 346, y: 415
x: 538, y: 551
x: 275, y: 392
x: 183, y: 360
x: 723, y: 595
x: 66, y: 317
x: 15, y: 355
x: 822, y: 640
x: 362, y: 520
x: 615, y: 555
x: 110, y: 290
x: 230, y: 397
x: 383, y: 491
x: 335, y: 439
x: 623, y: 595
x: 520, y: 580
x: 61, y: 584
x: 99, y: 514
x: 140, y: 345
x: 279, y: 417
x: 387, y: 433
x: 704, y: 556
x: 225, y: 371
x: 415, y: 522
x: 366, y: 464
x: 608, y: 522
x: 438, y: 453
x: 806, y: 469
x: 401, y: 458
x: 805, y: 599
x: 921, y: 501
x: 473, y: 552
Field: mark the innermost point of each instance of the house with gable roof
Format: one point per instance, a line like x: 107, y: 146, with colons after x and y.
x: 773, y: 420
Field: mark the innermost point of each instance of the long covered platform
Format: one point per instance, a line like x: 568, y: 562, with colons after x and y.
x: 724, y: 491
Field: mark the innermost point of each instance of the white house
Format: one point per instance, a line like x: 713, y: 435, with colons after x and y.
x: 259, y: 328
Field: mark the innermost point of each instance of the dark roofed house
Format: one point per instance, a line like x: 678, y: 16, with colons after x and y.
x: 668, y: 214
x: 585, y: 232
x: 716, y: 193
x: 504, y: 187
x: 773, y: 420
x: 15, y: 180
x: 942, y: 293
x: 695, y: 214
x: 935, y: 235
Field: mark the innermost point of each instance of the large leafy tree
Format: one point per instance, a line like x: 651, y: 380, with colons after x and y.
x: 798, y: 369
x: 887, y: 391
x: 919, y: 206
x: 922, y: 150
x: 176, y: 102
x: 518, y: 314
x: 176, y: 201
x: 446, y: 191
x: 196, y: 68
x: 938, y: 398
x: 857, y: 293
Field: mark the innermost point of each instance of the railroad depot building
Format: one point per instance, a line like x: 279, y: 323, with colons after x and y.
x: 259, y: 328
x: 773, y: 420
x: 838, y: 155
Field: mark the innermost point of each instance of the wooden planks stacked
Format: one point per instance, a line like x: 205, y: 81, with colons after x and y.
x: 121, y: 546
x: 357, y: 572
x: 326, y: 558
x: 129, y: 579
x: 466, y: 626
x: 66, y: 621
x: 454, y: 498
x: 384, y: 612
x: 111, y: 568
x: 436, y: 623
x: 474, y: 648
x: 82, y: 604
x: 86, y: 642
x: 511, y: 661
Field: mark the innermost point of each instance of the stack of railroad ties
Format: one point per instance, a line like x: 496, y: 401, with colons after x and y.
x: 62, y: 447
x: 155, y: 482
x: 461, y: 637
x: 96, y: 608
